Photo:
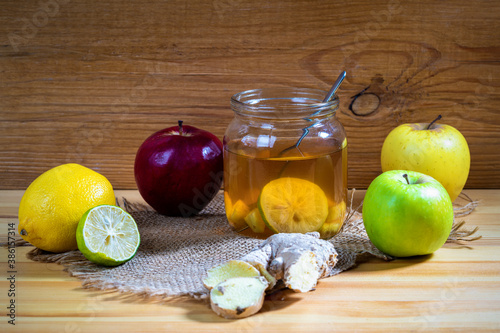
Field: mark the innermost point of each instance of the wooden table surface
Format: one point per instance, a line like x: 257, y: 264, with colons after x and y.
x: 453, y: 289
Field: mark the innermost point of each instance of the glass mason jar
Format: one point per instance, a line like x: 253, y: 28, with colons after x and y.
x: 285, y: 163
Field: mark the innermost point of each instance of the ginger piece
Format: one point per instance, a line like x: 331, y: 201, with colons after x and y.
x: 229, y: 269
x: 333, y: 221
x: 263, y: 271
x: 255, y: 221
x: 300, y: 260
x: 237, y: 215
x: 238, y: 297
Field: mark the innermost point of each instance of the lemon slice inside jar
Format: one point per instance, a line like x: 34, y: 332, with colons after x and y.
x: 291, y: 205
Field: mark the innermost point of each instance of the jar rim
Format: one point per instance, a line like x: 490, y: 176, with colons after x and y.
x: 284, y: 103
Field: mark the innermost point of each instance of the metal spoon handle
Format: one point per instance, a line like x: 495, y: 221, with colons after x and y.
x: 335, y: 86
x: 327, y: 98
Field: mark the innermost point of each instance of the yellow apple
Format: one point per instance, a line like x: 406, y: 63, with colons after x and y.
x: 437, y: 150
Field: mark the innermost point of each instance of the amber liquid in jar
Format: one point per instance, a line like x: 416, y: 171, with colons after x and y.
x: 248, y: 170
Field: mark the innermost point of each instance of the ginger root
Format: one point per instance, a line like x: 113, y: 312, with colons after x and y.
x: 229, y: 269
x: 300, y: 260
x: 238, y: 297
x: 237, y: 287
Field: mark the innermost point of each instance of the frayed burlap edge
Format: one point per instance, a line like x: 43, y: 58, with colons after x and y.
x: 351, y: 243
x: 460, y: 233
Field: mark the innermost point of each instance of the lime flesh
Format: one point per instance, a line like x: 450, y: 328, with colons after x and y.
x: 107, y: 235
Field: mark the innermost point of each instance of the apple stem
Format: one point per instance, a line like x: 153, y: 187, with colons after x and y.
x: 180, y: 126
x: 406, y: 177
x: 438, y: 117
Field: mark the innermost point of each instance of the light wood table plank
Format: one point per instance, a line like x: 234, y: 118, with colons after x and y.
x: 454, y: 289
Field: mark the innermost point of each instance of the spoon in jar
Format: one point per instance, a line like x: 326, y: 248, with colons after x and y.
x: 327, y: 98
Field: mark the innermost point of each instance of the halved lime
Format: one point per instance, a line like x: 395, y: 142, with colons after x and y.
x: 293, y: 205
x: 107, y: 235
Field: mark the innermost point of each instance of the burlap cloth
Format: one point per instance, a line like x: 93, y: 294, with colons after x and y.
x: 175, y: 253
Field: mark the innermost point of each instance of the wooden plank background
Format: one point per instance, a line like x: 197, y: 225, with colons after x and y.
x: 87, y: 81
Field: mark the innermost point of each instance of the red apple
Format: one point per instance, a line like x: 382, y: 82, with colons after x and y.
x: 179, y: 169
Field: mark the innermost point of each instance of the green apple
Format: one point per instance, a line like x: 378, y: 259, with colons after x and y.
x: 407, y: 213
x: 439, y: 151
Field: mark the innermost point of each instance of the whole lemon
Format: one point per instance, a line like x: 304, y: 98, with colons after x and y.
x: 53, y: 204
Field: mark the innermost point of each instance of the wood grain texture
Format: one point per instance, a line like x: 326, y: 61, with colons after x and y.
x: 88, y: 81
x: 455, y: 289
